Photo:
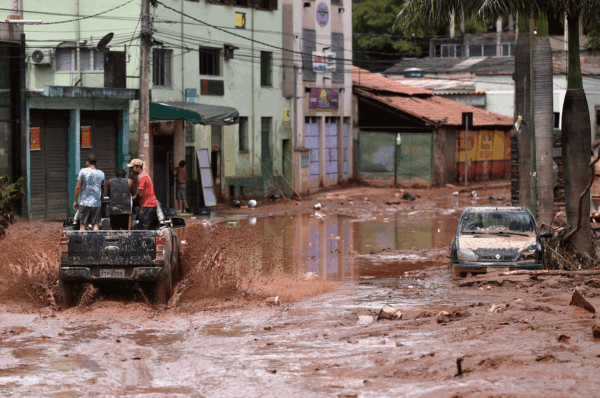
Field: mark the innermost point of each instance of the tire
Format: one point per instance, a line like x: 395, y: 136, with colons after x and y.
x: 67, y: 292
x: 163, y: 288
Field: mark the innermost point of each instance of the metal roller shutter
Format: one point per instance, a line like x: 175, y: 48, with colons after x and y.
x: 38, y: 170
x: 312, y: 142
x: 50, y: 166
x: 104, y: 140
x: 331, y: 150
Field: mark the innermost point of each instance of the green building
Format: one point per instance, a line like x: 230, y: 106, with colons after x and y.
x: 82, y: 73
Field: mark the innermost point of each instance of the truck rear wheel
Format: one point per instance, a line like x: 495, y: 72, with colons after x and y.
x: 162, y: 288
x: 67, y: 293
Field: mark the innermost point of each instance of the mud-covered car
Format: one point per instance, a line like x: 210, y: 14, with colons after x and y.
x: 501, y: 237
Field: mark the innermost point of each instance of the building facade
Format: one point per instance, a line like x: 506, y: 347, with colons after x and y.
x: 408, y: 134
x: 260, y: 60
x: 232, y: 61
x: 317, y: 77
x: 77, y: 99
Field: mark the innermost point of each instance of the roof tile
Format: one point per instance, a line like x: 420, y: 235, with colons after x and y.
x: 372, y: 81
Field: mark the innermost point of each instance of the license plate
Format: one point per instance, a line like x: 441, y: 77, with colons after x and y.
x: 112, y: 273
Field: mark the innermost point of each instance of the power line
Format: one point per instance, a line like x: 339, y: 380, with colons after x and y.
x: 79, y: 17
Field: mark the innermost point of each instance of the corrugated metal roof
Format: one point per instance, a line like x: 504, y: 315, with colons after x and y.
x: 590, y: 65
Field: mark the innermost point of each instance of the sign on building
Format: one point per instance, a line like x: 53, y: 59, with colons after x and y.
x: 35, y: 144
x: 322, y: 14
x: 323, y: 62
x: 86, y: 137
x: 323, y: 99
x: 240, y: 20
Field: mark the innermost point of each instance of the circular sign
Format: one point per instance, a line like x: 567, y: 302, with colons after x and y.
x: 322, y: 14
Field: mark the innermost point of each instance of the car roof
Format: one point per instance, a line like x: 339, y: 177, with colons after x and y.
x: 496, y: 208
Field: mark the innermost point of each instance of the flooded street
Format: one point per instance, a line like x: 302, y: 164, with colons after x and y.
x: 325, y: 340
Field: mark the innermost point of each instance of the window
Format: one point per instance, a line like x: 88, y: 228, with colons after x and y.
x: 489, y: 50
x: 243, y: 134
x: 556, y: 120
x: 91, y: 60
x: 266, y: 68
x: 161, y: 67
x: 337, y: 2
x: 508, y: 49
x: 210, y: 61
x: 267, y: 5
x: 265, y: 124
x: 451, y: 51
x: 243, y: 3
x: 66, y: 59
x: 337, y: 46
x: 309, y: 44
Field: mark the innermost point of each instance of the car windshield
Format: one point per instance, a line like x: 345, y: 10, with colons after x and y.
x: 514, y: 222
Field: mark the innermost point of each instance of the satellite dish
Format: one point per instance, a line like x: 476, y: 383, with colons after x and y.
x: 104, y: 41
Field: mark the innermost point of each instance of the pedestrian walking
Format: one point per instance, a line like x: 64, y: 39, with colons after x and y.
x: 88, y: 195
x: 181, y: 176
x: 119, y: 191
x: 147, y: 217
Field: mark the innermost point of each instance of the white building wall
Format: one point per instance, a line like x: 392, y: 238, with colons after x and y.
x: 500, y: 96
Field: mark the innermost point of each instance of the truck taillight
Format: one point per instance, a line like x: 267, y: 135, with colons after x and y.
x: 160, y: 249
x: 64, y: 245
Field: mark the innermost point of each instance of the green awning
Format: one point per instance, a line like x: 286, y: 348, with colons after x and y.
x: 195, y: 113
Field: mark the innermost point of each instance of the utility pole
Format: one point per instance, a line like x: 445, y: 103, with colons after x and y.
x: 144, y: 105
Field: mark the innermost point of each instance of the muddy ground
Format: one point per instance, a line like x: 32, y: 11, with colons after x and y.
x: 222, y: 339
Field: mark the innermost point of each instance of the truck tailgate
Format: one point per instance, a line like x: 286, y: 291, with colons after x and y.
x: 119, y: 248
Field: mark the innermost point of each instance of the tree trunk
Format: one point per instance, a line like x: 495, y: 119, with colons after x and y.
x: 523, y: 108
x: 576, y: 139
x: 542, y: 114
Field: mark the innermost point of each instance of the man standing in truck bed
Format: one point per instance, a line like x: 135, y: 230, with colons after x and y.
x: 147, y: 217
x: 90, y: 184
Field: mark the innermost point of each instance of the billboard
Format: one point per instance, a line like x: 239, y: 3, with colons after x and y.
x: 324, y: 99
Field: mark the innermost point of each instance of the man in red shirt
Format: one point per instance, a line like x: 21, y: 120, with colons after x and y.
x: 147, y: 217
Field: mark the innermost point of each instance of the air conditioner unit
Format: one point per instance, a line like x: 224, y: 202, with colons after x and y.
x: 41, y: 57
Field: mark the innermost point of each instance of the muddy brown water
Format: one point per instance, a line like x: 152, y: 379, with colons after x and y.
x: 340, y: 248
x: 328, y: 345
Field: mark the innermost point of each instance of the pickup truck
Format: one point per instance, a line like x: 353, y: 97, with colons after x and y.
x: 150, y: 258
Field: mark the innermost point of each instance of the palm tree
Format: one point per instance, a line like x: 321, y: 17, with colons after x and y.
x: 576, y: 127
x: 543, y: 124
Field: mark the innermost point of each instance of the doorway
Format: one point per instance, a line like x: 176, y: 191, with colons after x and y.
x: 49, y: 165
x: 216, y: 159
x: 163, y: 153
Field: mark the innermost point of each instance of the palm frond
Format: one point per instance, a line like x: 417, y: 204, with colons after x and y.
x: 424, y: 13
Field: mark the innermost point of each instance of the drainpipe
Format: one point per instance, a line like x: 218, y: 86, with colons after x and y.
x: 78, y: 50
